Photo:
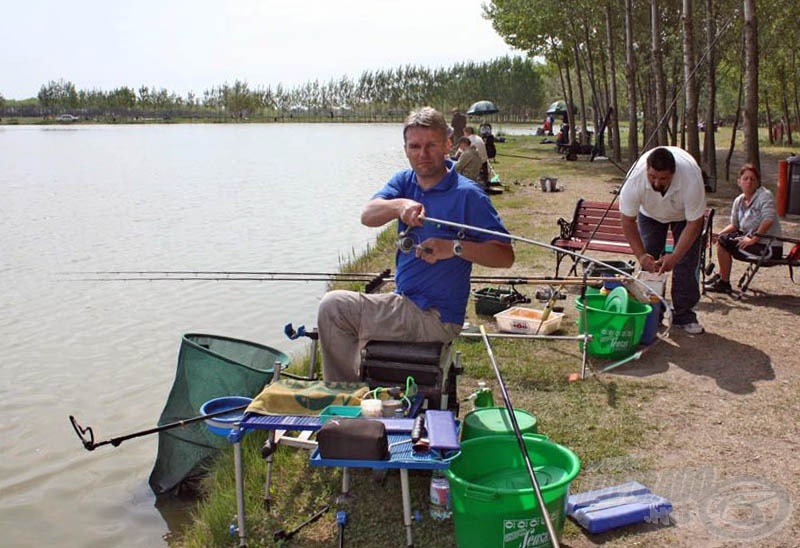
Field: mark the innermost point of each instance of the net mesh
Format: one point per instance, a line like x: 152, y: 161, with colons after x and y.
x: 209, y: 367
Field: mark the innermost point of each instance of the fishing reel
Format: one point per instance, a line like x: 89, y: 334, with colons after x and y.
x: 549, y: 294
x: 406, y: 243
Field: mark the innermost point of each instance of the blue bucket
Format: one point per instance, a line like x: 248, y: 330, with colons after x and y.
x: 651, y: 324
x: 222, y: 424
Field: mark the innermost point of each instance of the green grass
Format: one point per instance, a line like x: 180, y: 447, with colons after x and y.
x: 598, y: 418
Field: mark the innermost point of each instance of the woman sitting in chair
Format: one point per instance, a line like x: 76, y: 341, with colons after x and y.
x: 753, y: 213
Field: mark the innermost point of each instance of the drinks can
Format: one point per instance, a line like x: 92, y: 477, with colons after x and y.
x: 441, y: 505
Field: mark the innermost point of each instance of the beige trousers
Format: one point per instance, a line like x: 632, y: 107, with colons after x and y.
x: 347, y: 320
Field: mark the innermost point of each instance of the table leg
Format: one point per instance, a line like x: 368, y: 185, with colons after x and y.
x: 344, y: 497
x: 269, y: 449
x: 406, y: 505
x: 237, y: 463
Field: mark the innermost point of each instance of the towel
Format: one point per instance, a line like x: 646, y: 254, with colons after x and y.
x: 296, y: 397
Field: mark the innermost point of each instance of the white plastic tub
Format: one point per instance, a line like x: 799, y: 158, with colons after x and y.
x: 518, y: 319
x: 656, y: 283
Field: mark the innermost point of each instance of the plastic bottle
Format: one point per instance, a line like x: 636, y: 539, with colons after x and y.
x: 483, y: 396
x: 441, y: 504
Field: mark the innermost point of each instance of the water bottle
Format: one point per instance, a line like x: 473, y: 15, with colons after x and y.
x: 483, y: 396
x: 441, y: 504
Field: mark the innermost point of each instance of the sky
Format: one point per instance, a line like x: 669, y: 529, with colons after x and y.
x: 194, y: 45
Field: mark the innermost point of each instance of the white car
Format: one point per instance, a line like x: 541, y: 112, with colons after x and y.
x: 67, y: 118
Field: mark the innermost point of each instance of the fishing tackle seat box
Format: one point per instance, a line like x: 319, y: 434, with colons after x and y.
x: 390, y: 363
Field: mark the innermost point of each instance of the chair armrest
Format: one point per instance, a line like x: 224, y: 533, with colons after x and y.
x: 777, y: 238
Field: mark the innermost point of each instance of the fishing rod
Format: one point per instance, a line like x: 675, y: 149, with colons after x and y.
x: 373, y: 281
x: 541, y: 280
x: 232, y: 273
x: 627, y: 278
x: 218, y: 279
x: 521, y: 441
x: 551, y: 302
x: 91, y: 445
x: 150, y: 275
x: 212, y: 275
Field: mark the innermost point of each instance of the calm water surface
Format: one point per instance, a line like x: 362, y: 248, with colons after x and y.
x: 183, y: 197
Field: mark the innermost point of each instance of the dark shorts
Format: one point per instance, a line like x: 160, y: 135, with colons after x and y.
x: 729, y: 242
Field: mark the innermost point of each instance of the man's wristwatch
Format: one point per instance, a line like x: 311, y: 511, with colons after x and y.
x: 457, y: 249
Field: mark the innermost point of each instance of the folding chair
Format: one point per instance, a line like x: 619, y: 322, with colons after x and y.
x: 754, y: 264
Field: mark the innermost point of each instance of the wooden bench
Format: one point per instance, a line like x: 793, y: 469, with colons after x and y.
x: 597, y: 226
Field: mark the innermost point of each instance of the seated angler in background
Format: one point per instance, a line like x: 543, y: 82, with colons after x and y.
x: 480, y: 146
x: 753, y: 212
x: 469, y: 163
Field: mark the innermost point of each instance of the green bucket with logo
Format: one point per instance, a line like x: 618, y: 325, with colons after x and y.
x: 494, y: 503
x: 615, y: 324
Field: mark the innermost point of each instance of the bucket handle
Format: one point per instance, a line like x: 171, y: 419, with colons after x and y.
x: 537, y: 436
x: 480, y: 493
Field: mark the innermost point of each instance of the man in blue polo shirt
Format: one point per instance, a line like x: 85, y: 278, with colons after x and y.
x: 433, y: 276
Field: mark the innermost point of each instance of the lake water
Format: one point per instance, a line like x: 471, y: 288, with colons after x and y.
x: 162, y: 197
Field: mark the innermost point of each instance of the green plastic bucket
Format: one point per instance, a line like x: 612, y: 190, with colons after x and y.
x: 614, y: 334
x: 493, y: 421
x: 494, y: 505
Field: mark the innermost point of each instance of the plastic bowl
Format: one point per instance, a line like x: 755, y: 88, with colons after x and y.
x: 221, y: 425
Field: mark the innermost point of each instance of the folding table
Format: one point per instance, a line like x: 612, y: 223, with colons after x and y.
x: 442, y: 434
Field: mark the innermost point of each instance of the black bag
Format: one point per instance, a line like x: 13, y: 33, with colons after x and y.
x: 356, y: 439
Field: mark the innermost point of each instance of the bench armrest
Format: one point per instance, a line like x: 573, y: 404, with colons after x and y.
x: 565, y: 227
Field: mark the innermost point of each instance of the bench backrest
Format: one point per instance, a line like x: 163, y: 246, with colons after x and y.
x: 597, y: 221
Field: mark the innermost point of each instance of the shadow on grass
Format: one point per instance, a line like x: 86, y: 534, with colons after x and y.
x: 735, y: 367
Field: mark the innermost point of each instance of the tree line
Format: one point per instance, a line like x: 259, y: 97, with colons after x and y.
x: 667, y: 67
x: 514, y: 83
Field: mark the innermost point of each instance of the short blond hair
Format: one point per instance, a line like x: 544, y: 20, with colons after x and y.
x: 427, y: 117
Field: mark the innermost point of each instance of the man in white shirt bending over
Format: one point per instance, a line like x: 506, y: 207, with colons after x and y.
x: 665, y: 191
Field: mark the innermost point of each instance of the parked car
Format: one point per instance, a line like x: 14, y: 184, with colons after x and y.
x: 67, y: 118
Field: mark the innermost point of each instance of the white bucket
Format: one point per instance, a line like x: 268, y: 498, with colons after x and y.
x: 548, y: 184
